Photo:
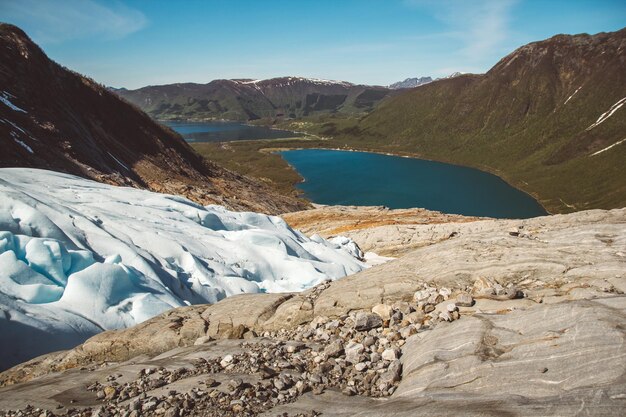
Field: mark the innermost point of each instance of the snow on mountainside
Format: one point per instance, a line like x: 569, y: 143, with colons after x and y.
x: 78, y: 257
x: 252, y: 99
x: 289, y: 80
x: 411, y: 83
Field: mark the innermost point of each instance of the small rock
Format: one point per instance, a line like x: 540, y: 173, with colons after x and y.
x: 226, y: 360
x: 422, y: 295
x: 408, y: 331
x: 301, y: 387
x: 369, y: 341
x: 360, y: 367
x: 267, y: 372
x: 436, y: 299
x: 210, y: 382
x: 383, y: 310
x: 279, y: 384
x: 250, y: 334
x: 110, y: 392
x: 415, y: 317
x: 512, y: 293
x: 334, y: 349
x: 202, y: 340
x: 172, y: 412
x: 293, y: 346
x: 367, y: 321
x: 392, y: 374
x: 135, y: 404
x: 148, y: 406
x: 483, y: 286
x: 389, y: 354
x: 499, y: 289
x: 403, y: 307
x: 514, y: 231
x: 445, y: 293
x: 445, y: 316
x: 464, y: 300
x: 235, y: 384
x: 451, y: 307
x: 353, y: 352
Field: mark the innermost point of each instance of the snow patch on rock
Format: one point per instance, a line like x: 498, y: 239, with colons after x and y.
x: 608, y: 113
x: 619, y: 142
x: 573, y: 94
x: 4, y: 98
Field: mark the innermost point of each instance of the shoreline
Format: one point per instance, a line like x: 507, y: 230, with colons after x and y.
x: 414, y: 156
x: 401, y: 154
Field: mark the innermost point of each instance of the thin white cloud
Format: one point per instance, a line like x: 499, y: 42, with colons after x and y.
x: 58, y: 21
x: 482, y: 26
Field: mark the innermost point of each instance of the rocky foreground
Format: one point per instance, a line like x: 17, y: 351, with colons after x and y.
x: 524, y: 317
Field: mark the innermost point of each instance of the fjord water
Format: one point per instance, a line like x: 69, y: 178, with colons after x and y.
x: 219, y: 131
x: 368, y: 179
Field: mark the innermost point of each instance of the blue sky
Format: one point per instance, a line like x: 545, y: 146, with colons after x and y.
x: 144, y: 42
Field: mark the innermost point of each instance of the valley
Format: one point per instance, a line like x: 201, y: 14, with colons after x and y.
x: 299, y: 246
x: 548, y: 119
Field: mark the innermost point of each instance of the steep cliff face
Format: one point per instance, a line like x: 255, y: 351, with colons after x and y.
x: 245, y: 99
x: 53, y: 118
x: 549, y: 117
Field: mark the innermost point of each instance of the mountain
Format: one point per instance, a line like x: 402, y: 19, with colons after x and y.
x: 78, y: 257
x: 410, y: 83
x: 549, y: 118
x: 56, y: 119
x: 246, y: 99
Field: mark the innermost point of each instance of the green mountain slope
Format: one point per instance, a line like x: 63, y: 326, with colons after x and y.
x: 543, y: 118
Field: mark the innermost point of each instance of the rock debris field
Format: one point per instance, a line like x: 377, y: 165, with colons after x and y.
x: 356, y: 354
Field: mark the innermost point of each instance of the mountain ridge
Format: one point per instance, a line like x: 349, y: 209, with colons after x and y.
x: 410, y: 83
x: 250, y: 99
x: 58, y: 119
x: 548, y: 117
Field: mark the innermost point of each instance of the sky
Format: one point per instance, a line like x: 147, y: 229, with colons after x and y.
x: 136, y: 43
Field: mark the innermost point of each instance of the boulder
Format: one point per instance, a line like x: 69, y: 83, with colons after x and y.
x: 367, y: 321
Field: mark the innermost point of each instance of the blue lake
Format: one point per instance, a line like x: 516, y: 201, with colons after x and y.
x: 226, y: 131
x: 368, y: 179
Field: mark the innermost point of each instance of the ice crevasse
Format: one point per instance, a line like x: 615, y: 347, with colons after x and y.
x: 78, y: 257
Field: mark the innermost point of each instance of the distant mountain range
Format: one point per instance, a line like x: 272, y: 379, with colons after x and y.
x: 550, y: 117
x: 56, y: 119
x: 248, y: 99
x: 410, y: 83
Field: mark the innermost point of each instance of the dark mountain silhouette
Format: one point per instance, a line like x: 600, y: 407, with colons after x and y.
x: 54, y: 118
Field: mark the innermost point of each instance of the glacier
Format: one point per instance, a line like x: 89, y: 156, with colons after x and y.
x: 78, y: 257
